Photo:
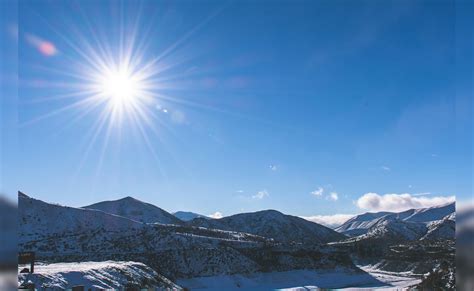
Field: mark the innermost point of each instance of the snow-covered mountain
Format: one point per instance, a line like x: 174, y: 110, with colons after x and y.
x: 275, y: 225
x: 441, y: 229
x: 427, y: 214
x: 136, y: 210
x: 38, y: 218
x: 361, y: 224
x: 65, y: 234
x: 395, y: 230
x: 188, y: 215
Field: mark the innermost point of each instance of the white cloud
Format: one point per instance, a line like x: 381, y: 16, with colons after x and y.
x: 329, y: 220
x: 273, y: 167
x: 399, y: 202
x: 333, y: 196
x: 216, y: 215
x: 240, y: 191
x: 318, y: 192
x: 385, y: 168
x: 261, y: 194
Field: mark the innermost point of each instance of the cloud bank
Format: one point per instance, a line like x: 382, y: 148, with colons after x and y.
x: 329, y: 220
x: 399, y: 202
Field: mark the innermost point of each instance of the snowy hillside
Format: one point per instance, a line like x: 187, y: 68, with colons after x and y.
x: 441, y: 229
x: 38, y: 218
x: 275, y: 225
x: 95, y: 275
x: 188, y: 216
x: 137, y: 210
x: 395, y: 230
x: 361, y: 224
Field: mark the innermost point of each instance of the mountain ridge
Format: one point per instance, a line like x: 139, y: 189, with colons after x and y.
x: 136, y: 210
x: 360, y: 224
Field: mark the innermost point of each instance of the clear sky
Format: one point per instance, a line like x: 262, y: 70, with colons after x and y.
x: 302, y: 106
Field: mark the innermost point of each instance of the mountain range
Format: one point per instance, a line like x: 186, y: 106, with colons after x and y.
x: 361, y: 224
x: 130, y: 213
x: 66, y: 234
x: 129, y: 230
x: 275, y: 225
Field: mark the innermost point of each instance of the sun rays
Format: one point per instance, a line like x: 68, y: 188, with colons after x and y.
x: 112, y: 80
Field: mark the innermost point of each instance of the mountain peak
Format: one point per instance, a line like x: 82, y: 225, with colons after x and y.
x: 129, y: 198
x: 136, y: 210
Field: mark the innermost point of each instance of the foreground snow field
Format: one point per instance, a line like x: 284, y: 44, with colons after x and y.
x: 115, y: 275
x: 302, y: 280
x: 102, y: 275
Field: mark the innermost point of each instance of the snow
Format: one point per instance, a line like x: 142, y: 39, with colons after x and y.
x: 397, y: 229
x: 105, y: 275
x: 361, y: 224
x: 302, y: 280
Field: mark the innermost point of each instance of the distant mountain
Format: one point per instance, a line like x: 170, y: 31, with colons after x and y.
x: 136, y: 210
x: 427, y: 214
x: 188, y: 216
x: 275, y: 225
x: 361, y: 224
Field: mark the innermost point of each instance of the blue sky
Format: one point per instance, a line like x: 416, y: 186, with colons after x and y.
x: 259, y: 105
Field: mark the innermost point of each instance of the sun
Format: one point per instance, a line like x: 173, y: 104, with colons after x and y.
x: 120, y: 87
